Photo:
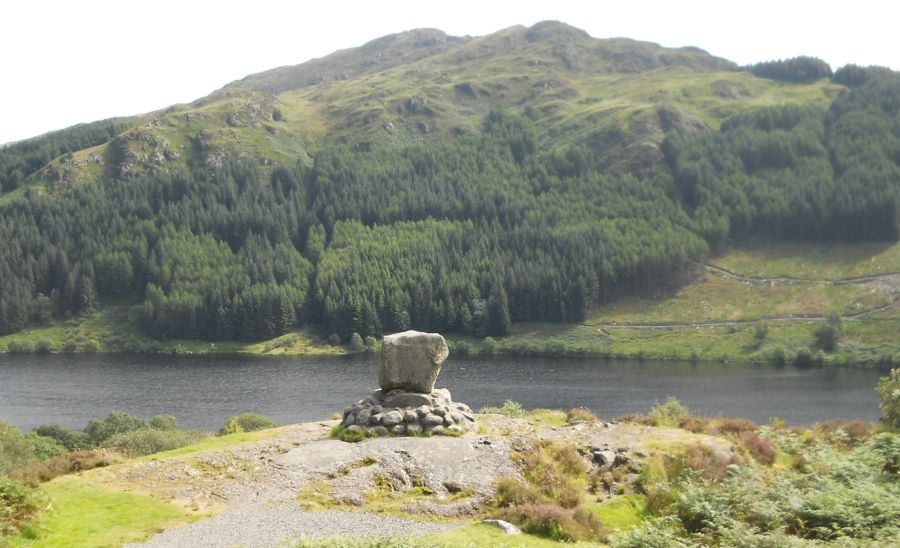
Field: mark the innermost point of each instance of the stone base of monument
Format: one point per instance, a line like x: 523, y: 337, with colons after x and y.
x: 401, y: 413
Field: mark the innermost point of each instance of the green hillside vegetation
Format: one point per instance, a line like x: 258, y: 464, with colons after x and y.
x: 459, y: 185
x: 681, y: 479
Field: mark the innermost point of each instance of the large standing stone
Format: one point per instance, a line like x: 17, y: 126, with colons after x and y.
x: 411, y: 361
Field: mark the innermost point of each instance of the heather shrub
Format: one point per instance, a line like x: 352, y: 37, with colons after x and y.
x: 733, y: 427
x: 147, y: 441
x: 845, y: 432
x: 248, y: 422
x: 761, y: 449
x: 692, y: 423
x: 549, y: 502
x: 698, y: 460
x: 67, y: 463
x: 553, y: 521
x: 512, y: 492
x: 581, y: 414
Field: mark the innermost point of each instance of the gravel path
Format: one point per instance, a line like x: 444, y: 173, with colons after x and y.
x: 259, y: 526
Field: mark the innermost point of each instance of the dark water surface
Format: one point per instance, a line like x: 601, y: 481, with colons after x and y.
x: 202, y: 392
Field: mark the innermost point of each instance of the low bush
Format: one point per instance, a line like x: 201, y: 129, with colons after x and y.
x: 164, y: 422
x: 511, y: 492
x: 699, y: 460
x: 581, y: 414
x: 760, y: 449
x: 20, y: 506
x: 733, y: 427
x: 20, y: 347
x: 69, y: 439
x: 15, y: 451
x: 888, y: 390
x: 549, y: 502
x: 43, y: 447
x: 668, y: 413
x: 100, y: 430
x: 692, y: 423
x: 146, y: 441
x: 68, y: 463
x: 342, y: 433
x: 845, y: 432
x: 553, y: 521
x: 509, y: 409
x: 43, y: 346
x: 248, y: 422
x: 356, y: 343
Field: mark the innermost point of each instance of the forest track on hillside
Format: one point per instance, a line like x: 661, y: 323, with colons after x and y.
x: 787, y: 280
x: 891, y: 279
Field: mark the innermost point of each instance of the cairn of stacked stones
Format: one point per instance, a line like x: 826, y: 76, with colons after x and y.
x: 407, y: 402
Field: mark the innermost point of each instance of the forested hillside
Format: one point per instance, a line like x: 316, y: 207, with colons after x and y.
x: 247, y: 214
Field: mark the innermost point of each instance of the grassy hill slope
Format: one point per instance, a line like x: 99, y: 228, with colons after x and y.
x: 463, y: 185
x: 619, y: 96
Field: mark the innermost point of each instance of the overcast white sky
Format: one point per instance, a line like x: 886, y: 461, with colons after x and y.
x: 65, y: 62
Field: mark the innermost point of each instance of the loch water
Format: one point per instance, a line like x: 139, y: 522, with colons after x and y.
x: 203, y: 391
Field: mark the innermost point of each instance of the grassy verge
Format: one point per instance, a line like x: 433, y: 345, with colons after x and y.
x: 85, y: 515
x: 115, y: 328
x: 864, y: 343
x: 216, y: 442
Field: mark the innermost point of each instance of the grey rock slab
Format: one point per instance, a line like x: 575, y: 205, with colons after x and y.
x: 407, y: 399
x: 392, y: 418
x: 604, y: 458
x: 441, y: 397
x: 505, y: 526
x: 411, y: 361
x: 323, y: 459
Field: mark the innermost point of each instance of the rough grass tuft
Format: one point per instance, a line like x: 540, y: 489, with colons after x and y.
x: 581, y: 414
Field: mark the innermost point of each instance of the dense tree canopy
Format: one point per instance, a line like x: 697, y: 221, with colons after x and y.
x: 467, y: 234
x: 795, y: 69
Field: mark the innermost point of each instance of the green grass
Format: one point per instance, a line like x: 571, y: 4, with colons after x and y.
x: 717, y: 298
x: 485, y: 535
x: 84, y: 515
x: 813, y: 261
x: 622, y: 512
x: 114, y: 328
x: 217, y: 442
